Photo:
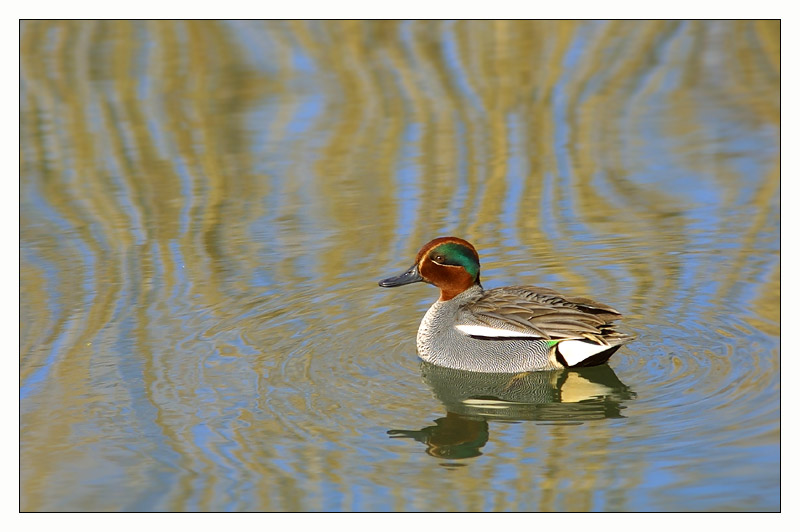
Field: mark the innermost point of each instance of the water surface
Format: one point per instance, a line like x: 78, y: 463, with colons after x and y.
x: 206, y: 208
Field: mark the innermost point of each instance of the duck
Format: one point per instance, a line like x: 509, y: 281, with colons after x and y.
x: 511, y: 329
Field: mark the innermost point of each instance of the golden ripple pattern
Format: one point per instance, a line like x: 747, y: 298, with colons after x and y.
x: 206, y: 207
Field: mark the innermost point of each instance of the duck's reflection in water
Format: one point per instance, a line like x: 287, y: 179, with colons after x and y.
x: 472, y: 399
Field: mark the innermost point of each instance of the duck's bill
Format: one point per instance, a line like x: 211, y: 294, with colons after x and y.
x: 411, y: 276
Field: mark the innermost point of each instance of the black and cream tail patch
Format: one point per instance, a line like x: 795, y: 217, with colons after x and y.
x: 580, y: 353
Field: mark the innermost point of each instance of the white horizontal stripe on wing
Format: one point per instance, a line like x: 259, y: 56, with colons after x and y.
x: 493, y: 332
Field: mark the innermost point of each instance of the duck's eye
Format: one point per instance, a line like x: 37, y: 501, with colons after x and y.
x: 438, y: 258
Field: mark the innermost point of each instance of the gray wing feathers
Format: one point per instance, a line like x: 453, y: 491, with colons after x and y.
x: 541, y: 312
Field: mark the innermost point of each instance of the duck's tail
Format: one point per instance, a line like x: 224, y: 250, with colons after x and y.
x: 583, y: 352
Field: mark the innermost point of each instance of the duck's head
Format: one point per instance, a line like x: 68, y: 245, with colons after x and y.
x: 449, y: 263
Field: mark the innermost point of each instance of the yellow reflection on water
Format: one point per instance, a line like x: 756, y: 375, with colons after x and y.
x: 206, y: 205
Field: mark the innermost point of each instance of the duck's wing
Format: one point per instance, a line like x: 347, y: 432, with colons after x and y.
x: 534, y: 312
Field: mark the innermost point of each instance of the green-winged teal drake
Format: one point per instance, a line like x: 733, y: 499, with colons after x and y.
x: 503, y: 330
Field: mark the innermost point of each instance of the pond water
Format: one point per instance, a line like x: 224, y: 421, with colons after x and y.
x: 206, y: 208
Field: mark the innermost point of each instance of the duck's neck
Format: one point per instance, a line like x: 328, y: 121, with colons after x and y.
x: 447, y: 293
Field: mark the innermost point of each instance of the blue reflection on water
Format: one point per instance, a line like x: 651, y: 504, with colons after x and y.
x: 408, y: 174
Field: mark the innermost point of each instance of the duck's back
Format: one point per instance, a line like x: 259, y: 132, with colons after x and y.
x: 539, y: 311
